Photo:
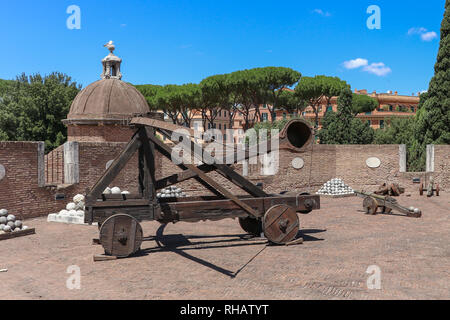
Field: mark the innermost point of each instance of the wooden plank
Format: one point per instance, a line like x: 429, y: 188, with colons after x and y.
x: 167, y: 152
x: 124, y: 203
x: 115, y: 168
x: 103, y: 257
x: 208, y: 180
x: 182, y: 176
x: 160, y: 124
x: 16, y: 234
x: 150, y: 167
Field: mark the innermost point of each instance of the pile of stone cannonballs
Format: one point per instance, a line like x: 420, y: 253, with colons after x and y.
x: 171, y: 192
x: 9, y: 223
x: 335, y: 187
x: 114, y: 190
x: 75, y: 208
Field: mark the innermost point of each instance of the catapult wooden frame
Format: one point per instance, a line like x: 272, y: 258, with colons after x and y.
x: 119, y: 215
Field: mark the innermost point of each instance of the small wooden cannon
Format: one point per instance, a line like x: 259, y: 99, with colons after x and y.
x: 119, y: 216
x: 373, y: 201
x: 431, y: 189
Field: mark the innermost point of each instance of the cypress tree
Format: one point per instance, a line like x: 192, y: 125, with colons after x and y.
x: 432, y: 125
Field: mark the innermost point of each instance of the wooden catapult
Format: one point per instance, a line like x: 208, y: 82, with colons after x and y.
x: 119, y: 216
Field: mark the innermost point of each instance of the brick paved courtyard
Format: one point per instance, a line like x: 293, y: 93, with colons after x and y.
x: 213, y: 260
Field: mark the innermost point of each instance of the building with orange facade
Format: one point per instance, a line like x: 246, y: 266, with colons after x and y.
x: 389, y: 105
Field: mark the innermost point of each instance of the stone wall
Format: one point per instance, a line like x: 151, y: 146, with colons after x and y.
x: 23, y: 190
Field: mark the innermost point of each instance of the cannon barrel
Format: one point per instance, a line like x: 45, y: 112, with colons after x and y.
x: 296, y: 135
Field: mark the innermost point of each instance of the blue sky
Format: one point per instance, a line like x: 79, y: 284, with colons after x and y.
x: 184, y: 41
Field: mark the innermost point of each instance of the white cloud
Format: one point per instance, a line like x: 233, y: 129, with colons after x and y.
x: 322, y: 13
x: 356, y: 63
x: 379, y: 69
x: 428, y: 36
x: 425, y: 35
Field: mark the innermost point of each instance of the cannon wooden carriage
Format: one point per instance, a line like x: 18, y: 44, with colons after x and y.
x: 119, y: 216
x: 372, y: 202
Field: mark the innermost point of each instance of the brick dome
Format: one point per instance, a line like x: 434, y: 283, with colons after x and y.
x: 107, y: 99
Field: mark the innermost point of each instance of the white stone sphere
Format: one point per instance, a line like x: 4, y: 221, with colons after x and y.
x: 7, y: 229
x: 116, y: 190
x: 3, y: 213
x: 2, y: 232
x: 3, y: 220
x: 64, y: 213
x: 78, y: 198
x: 11, y: 224
x: 2, y: 226
x: 73, y: 213
x: 158, y: 195
x: 80, y: 213
x: 24, y: 227
x: 416, y: 210
x: 125, y: 192
x: 11, y: 217
x: 18, y: 224
x: 107, y: 191
x: 16, y: 229
x: 71, y: 206
x: 411, y: 208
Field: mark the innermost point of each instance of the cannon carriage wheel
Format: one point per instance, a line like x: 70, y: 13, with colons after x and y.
x: 370, y: 205
x: 121, y: 235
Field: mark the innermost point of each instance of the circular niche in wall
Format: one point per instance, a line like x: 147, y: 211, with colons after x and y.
x: 2, y: 172
x: 109, y: 163
x: 298, y: 163
x: 373, y: 162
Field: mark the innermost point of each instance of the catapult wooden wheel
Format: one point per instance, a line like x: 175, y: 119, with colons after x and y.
x: 370, y: 205
x: 281, y: 224
x: 251, y: 225
x: 121, y: 235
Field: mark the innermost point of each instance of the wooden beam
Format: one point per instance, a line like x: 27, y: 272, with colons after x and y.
x: 182, y: 176
x: 223, y: 169
x: 160, y: 124
x: 112, y: 172
x: 208, y: 180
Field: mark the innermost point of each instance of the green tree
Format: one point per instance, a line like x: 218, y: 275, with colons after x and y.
x: 290, y: 102
x: 318, y: 90
x: 33, y: 106
x: 342, y: 127
x: 397, y: 131
x: 274, y: 80
x: 363, y: 103
x: 432, y: 124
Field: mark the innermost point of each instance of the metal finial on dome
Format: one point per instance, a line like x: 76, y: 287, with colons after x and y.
x: 111, y: 64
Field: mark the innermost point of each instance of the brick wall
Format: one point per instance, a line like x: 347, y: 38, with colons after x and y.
x: 54, y: 166
x: 99, y: 133
x: 21, y: 195
x: 19, y: 190
x: 442, y: 166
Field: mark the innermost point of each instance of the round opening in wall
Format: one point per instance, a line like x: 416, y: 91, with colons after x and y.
x: 373, y: 162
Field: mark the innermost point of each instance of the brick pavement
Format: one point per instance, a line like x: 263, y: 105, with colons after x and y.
x: 208, y: 260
